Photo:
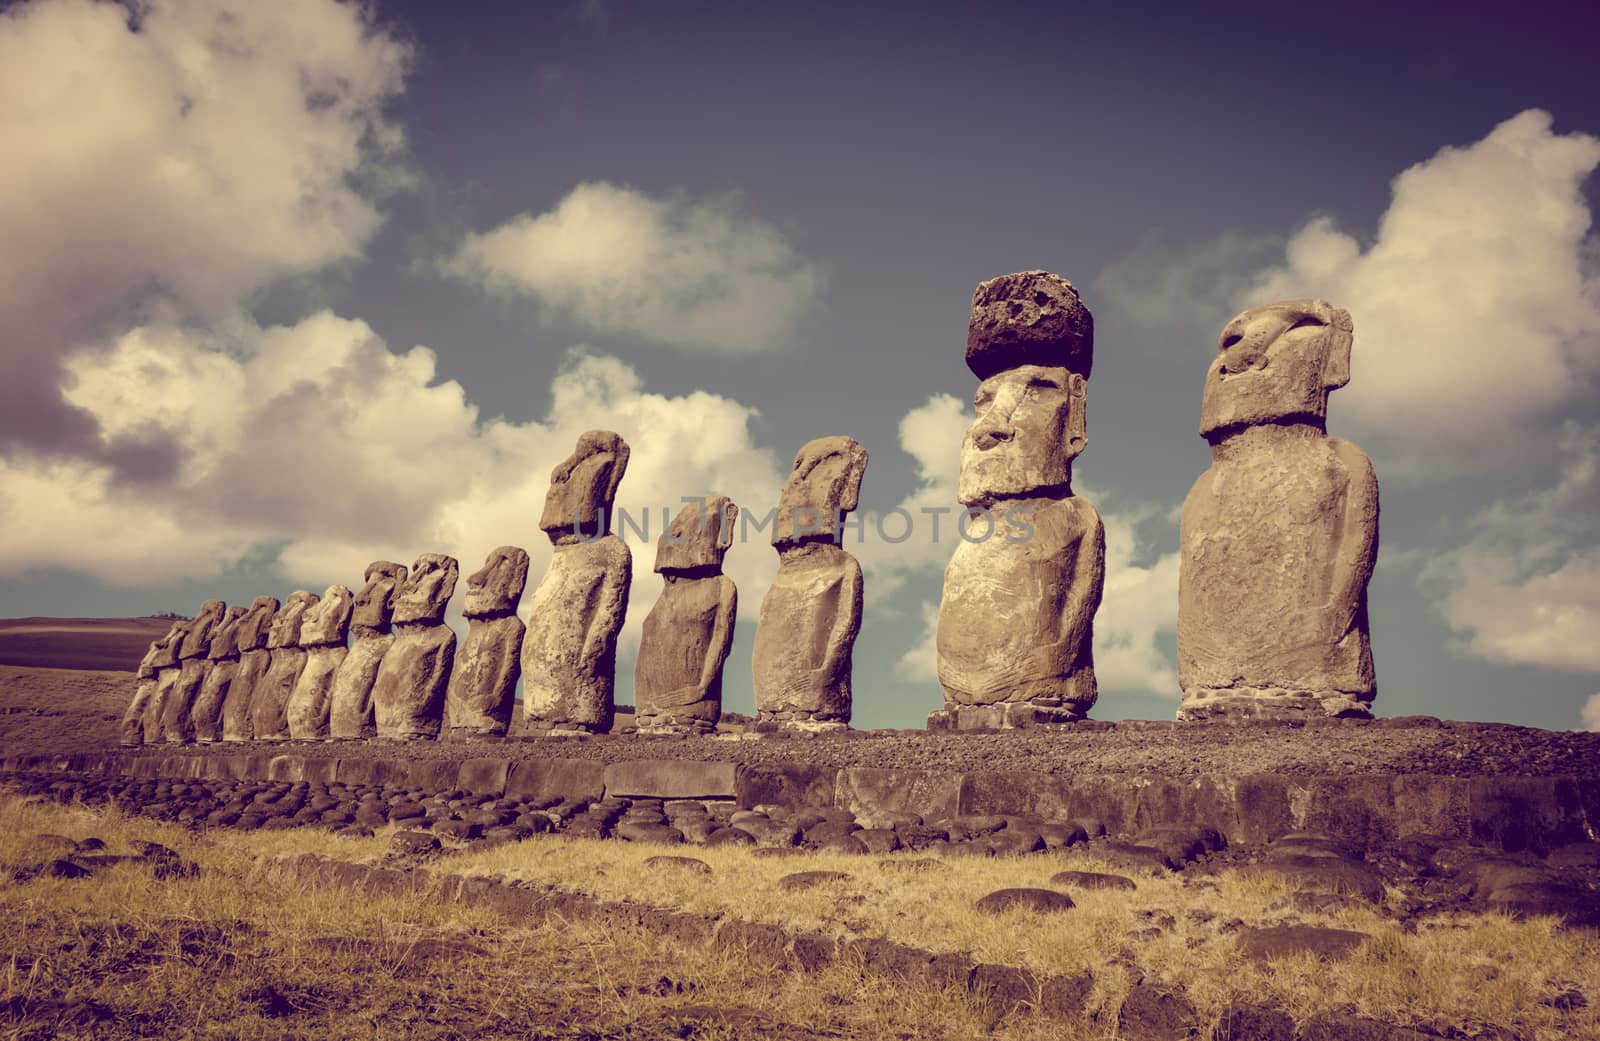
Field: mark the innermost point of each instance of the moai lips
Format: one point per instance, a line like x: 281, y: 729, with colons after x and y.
x: 1279, y: 537
x: 570, y: 648
x: 269, y: 702
x: 322, y: 635
x: 483, y: 684
x: 177, y: 725
x: 222, y: 663
x: 812, y: 611
x: 350, y: 714
x: 677, y: 683
x: 1015, y: 635
x: 408, y: 695
x: 132, y: 727
x: 254, y: 657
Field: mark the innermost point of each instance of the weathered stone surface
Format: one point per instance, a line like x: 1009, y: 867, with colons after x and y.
x: 350, y: 713
x: 1091, y: 880
x: 414, y: 673
x: 934, y: 794
x: 269, y: 701
x: 222, y: 661
x: 1036, y: 900
x: 670, y: 779
x: 160, y: 651
x: 177, y: 725
x: 1281, y: 941
x: 1025, y: 581
x: 802, y: 880
x: 483, y: 683
x: 580, y: 780
x: 251, y: 638
x: 322, y: 634
x: 1278, y: 538
x: 677, y: 682
x: 812, y: 611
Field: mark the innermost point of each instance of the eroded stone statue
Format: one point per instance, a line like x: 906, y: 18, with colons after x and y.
x: 1279, y: 536
x: 569, y: 652
x: 237, y: 723
x: 269, y: 702
x: 677, y: 680
x: 350, y: 713
x: 1015, y: 639
x: 812, y: 611
x: 150, y: 668
x: 408, y: 695
x: 177, y: 725
x: 322, y: 635
x: 222, y: 662
x: 483, y: 685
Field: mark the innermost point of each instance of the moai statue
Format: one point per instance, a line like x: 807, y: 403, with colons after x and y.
x: 269, y: 702
x: 162, y: 650
x: 222, y: 662
x: 1279, y: 536
x: 812, y: 611
x: 322, y: 634
x: 569, y: 654
x: 1015, y: 640
x: 408, y: 695
x: 168, y: 671
x: 177, y: 726
x: 677, y: 680
x: 237, y: 723
x: 350, y: 700
x: 483, y: 685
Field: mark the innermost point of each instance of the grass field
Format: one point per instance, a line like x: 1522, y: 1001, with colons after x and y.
x: 114, y: 644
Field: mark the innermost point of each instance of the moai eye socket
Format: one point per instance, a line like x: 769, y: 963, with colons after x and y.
x: 1307, y: 321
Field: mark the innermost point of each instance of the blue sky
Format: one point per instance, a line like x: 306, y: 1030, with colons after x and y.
x: 286, y: 288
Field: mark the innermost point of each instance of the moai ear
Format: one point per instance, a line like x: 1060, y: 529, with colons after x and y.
x: 856, y: 470
x: 619, y: 466
x: 1341, y: 335
x: 1077, y: 421
x: 725, y: 519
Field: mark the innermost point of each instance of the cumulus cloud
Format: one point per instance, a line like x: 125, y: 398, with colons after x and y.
x: 1589, y: 716
x: 188, y: 150
x: 695, y: 275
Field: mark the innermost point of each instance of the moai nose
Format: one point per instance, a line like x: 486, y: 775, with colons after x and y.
x: 995, y: 434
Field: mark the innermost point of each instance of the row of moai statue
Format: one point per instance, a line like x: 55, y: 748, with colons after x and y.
x: 1278, y: 540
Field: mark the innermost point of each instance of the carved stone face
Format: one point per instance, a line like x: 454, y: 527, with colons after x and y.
x: 495, y: 588
x: 197, y: 634
x: 375, y: 603
x: 256, y: 623
x: 583, y: 486
x: 1028, y: 428
x: 224, y: 641
x: 1276, y: 362
x: 699, y: 536
x: 825, y: 483
x: 329, y: 621
x: 285, y: 631
x: 163, y: 653
x: 426, y: 591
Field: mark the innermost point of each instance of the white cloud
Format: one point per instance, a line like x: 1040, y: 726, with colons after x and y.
x: 920, y: 664
x: 695, y: 275
x: 1589, y: 716
x: 1138, y: 611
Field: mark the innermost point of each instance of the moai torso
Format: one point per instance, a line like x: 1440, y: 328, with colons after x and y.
x: 322, y: 635
x: 269, y: 702
x: 569, y: 652
x: 350, y: 714
x: 677, y: 680
x: 254, y: 657
x: 1279, y: 537
x: 177, y: 724
x: 408, y: 695
x: 222, y: 661
x: 132, y: 727
x: 1015, y: 640
x: 483, y: 682
x: 811, y: 613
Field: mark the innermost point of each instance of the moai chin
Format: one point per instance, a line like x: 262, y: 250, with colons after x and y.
x: 677, y: 680
x: 569, y: 652
x: 269, y: 702
x: 1015, y: 639
x: 322, y: 635
x: 812, y: 611
x: 483, y: 684
x: 177, y: 725
x: 254, y: 657
x: 350, y: 714
x: 408, y: 695
x: 1278, y: 538
x: 222, y: 663
x: 149, y: 678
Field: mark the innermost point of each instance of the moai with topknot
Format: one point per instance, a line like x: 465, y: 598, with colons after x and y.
x: 483, y: 684
x: 350, y: 714
x: 323, y: 636
x: 408, y: 696
x: 677, y: 680
x: 254, y: 658
x: 1015, y: 639
x: 1279, y: 537
x: 222, y: 662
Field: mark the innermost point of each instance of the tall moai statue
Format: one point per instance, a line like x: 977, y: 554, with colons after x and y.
x: 323, y: 634
x: 269, y: 702
x: 350, y: 713
x: 812, y: 611
x: 408, y: 695
x: 222, y: 662
x: 237, y: 722
x: 569, y: 653
x: 161, y: 650
x: 177, y: 726
x: 168, y: 671
x: 1015, y: 641
x: 1279, y: 536
x: 677, y: 680
x: 483, y: 685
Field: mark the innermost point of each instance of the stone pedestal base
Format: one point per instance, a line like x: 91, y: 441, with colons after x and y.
x: 669, y: 725
x: 1004, y: 716
x: 797, y: 722
x: 1207, y: 704
x: 472, y: 734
